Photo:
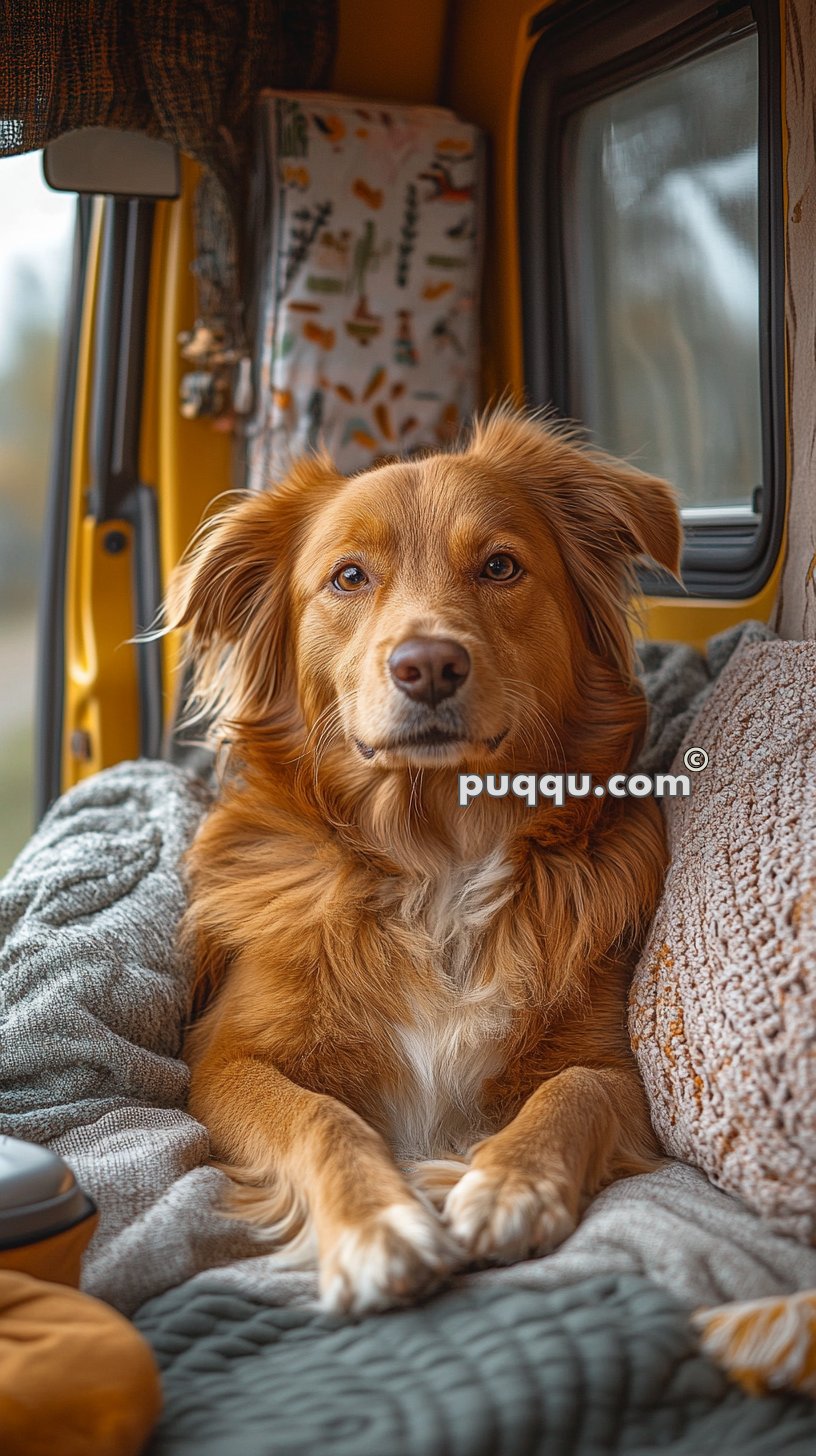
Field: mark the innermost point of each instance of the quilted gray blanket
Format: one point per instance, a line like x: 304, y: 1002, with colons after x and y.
x: 606, y: 1365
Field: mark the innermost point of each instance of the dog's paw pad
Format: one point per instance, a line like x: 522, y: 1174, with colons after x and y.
x: 390, y: 1259
x: 504, y: 1215
x: 763, y: 1344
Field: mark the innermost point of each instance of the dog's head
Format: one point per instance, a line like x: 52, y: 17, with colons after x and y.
x: 429, y: 611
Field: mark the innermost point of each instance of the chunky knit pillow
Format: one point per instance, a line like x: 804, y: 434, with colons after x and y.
x: 723, y: 1002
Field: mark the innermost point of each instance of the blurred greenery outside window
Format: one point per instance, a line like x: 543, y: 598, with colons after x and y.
x: 36, y: 234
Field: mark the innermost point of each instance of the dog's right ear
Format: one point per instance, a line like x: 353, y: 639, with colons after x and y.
x: 239, y: 555
x: 230, y: 593
x: 230, y: 556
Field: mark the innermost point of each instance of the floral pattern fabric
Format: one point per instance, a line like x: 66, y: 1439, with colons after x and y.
x: 368, y: 320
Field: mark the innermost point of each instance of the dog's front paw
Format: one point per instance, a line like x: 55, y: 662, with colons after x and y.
x: 500, y: 1215
x: 390, y: 1258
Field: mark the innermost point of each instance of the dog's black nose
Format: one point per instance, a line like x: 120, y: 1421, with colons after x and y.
x: 429, y: 669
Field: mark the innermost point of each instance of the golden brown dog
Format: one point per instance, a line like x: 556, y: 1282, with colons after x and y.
x: 414, y: 1053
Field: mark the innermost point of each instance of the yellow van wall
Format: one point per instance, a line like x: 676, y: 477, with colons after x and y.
x: 391, y: 50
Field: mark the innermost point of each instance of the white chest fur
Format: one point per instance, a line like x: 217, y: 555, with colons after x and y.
x: 454, y: 1041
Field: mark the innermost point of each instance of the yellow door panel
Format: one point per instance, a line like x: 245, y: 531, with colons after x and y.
x: 102, y: 718
x: 188, y: 461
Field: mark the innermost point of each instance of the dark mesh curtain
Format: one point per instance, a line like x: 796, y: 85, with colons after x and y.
x: 188, y: 73
x: 185, y: 72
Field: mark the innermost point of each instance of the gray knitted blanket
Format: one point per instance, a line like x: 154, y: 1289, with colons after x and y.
x: 93, y: 1001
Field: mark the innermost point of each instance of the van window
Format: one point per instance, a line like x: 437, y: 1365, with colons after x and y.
x: 652, y: 261
x: 35, y: 258
x: 662, y: 274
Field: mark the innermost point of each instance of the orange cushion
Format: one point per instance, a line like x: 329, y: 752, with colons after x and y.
x: 75, y: 1376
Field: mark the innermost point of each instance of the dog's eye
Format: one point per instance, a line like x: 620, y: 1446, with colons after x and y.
x: 501, y: 567
x: 350, y: 578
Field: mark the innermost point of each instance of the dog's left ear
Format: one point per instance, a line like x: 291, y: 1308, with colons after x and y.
x: 604, y: 514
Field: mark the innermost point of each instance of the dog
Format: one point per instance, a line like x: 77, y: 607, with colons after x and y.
x: 413, y: 1053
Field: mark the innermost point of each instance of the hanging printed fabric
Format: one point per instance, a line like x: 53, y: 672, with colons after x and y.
x: 368, y: 288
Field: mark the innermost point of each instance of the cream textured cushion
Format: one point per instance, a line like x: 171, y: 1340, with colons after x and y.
x: 723, y: 1002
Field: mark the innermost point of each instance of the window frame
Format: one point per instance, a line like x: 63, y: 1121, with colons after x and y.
x: 585, y: 51
x: 50, y: 666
